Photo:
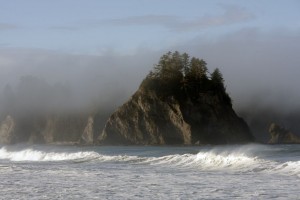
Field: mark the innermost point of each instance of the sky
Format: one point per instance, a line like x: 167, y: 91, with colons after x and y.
x: 104, y: 49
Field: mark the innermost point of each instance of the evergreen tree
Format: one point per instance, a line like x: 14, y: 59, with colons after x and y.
x: 218, y: 85
x: 185, y: 63
x: 169, y: 66
x: 217, y: 78
x: 177, y: 72
x: 177, y: 64
x: 198, y: 69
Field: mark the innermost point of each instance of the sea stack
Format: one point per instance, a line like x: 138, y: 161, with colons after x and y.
x: 280, y: 135
x: 179, y: 102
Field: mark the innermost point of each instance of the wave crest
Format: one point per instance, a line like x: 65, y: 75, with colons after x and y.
x: 36, y: 155
x: 209, y: 160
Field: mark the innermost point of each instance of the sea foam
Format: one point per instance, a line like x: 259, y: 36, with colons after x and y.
x: 36, y: 155
x: 233, y: 160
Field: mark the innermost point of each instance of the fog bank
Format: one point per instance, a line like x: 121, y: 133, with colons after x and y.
x: 260, y: 69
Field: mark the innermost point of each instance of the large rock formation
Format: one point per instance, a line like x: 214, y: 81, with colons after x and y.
x: 176, y: 107
x: 147, y: 119
x: 280, y: 135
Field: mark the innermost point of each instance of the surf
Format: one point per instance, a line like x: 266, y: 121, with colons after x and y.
x: 37, y: 155
x: 236, y: 159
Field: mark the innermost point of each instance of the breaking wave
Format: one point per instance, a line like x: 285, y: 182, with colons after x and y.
x: 232, y: 161
x: 206, y: 160
x: 36, y: 155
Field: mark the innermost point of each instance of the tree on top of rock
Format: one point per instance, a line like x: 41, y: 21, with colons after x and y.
x: 178, y: 74
x: 186, y: 63
x: 197, y: 69
x: 169, y: 66
x: 217, y: 79
x: 218, y: 85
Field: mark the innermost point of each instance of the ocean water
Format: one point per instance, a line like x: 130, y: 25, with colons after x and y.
x: 145, y: 172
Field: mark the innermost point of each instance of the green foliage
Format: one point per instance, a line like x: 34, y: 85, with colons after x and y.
x: 169, y: 66
x: 186, y: 63
x: 216, y: 76
x: 217, y: 79
x: 197, y: 70
x: 177, y: 74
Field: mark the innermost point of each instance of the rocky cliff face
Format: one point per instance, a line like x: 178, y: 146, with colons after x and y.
x: 149, y: 119
x: 280, y: 135
x: 213, y: 121
x: 145, y: 119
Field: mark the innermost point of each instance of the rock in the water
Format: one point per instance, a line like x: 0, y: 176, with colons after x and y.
x: 147, y: 119
x: 7, y: 129
x: 177, y: 104
x: 48, y: 132
x: 280, y: 135
x: 88, y: 133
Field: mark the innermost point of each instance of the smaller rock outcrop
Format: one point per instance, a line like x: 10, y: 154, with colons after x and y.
x: 7, y: 129
x: 280, y: 135
x: 88, y: 133
x: 48, y: 132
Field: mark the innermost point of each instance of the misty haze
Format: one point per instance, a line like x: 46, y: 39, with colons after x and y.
x: 263, y: 84
x: 153, y: 97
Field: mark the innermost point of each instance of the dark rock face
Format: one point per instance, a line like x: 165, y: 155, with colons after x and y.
x: 205, y: 118
x: 213, y: 121
x: 280, y: 135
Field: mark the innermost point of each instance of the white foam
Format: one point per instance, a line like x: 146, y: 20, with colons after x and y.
x: 36, y: 155
x: 238, y: 162
x: 209, y: 160
x: 290, y: 168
